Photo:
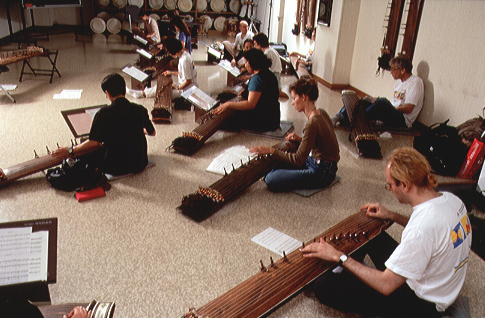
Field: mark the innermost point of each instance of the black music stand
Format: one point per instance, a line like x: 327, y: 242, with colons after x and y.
x: 36, y: 291
x: 79, y: 120
x: 3, y: 68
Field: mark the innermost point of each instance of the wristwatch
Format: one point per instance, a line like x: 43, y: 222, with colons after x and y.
x: 70, y: 151
x: 342, y: 259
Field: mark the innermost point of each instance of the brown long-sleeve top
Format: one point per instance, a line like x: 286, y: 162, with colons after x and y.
x: 318, y: 137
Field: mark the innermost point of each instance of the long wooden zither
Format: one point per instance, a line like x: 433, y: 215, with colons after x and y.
x: 278, y: 281
x: 163, y: 108
x: 190, y: 142
x: 39, y: 163
x: 206, y: 201
x: 364, y: 136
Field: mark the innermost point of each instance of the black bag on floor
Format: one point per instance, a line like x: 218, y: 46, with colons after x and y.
x: 74, y: 174
x: 443, y: 148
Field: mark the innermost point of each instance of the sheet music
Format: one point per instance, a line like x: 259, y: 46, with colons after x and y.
x: 14, y: 255
x: 199, y: 98
x: 39, y: 242
x: 230, y: 159
x: 214, y: 52
x: 23, y: 255
x: 140, y: 39
x: 144, y: 53
x: 69, y: 94
x: 135, y: 73
x: 276, y: 241
x: 225, y: 64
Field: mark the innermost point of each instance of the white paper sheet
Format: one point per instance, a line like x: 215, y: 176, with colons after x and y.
x: 69, y: 94
x: 9, y: 87
x: 225, y: 64
x: 23, y: 255
x: 276, y: 241
x: 230, y: 159
x: 14, y: 255
x: 140, y: 39
x: 199, y: 98
x: 144, y: 53
x: 39, y: 242
x: 135, y: 73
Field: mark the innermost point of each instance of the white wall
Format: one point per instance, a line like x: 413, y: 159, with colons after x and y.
x: 448, y: 55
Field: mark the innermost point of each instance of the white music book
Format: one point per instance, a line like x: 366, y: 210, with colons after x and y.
x: 230, y: 159
x: 276, y: 241
x: 199, y: 98
x: 225, y: 64
x: 144, y: 53
x: 135, y: 73
x: 140, y: 39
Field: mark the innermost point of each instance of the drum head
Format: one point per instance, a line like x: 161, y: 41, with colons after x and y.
x: 185, y: 5
x: 155, y: 4
x: 217, y: 5
x: 103, y: 3
x: 120, y: 4
x: 220, y: 23
x: 113, y: 25
x: 201, y: 5
x: 138, y: 3
x: 97, y: 25
x: 235, y: 5
x: 155, y: 16
x: 103, y: 15
x: 170, y: 4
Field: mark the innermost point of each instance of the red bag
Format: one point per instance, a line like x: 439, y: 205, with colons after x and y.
x: 90, y: 194
x: 474, y: 160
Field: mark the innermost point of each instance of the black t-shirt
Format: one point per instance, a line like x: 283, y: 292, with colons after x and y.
x: 119, y: 127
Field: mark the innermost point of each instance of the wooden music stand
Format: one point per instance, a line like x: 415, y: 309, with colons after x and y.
x: 36, y: 291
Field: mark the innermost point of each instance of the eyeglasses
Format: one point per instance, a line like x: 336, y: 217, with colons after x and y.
x: 393, y: 69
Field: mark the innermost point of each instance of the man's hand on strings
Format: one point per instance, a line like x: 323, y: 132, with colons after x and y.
x: 321, y: 250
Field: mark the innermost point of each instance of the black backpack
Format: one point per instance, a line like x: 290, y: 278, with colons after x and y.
x: 74, y: 174
x: 443, y: 148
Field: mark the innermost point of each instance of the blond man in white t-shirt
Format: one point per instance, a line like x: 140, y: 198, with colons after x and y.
x: 425, y: 272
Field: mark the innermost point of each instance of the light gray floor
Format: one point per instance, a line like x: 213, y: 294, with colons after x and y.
x: 133, y: 247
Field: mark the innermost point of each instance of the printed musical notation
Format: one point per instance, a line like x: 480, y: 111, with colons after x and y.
x: 276, y: 241
x: 135, y: 73
x: 23, y: 255
x: 199, y: 98
x: 232, y: 158
x: 225, y: 64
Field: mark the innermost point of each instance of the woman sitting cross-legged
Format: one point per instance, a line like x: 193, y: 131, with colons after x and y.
x: 314, y: 165
x: 261, y: 111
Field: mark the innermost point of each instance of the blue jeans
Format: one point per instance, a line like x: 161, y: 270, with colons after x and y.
x: 309, y: 176
x: 382, y: 110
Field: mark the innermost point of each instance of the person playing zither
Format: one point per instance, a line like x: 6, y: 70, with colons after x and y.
x: 425, y: 272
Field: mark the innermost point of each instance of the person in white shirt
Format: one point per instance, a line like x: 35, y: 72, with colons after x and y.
x: 186, y: 72
x: 424, y: 273
x: 306, y: 60
x: 406, y: 103
x: 231, y: 50
x: 261, y: 42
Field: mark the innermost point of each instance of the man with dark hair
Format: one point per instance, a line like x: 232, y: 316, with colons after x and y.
x: 419, y: 277
x: 187, y: 73
x: 261, y: 42
x: 151, y: 28
x: 406, y: 103
x: 121, y: 127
